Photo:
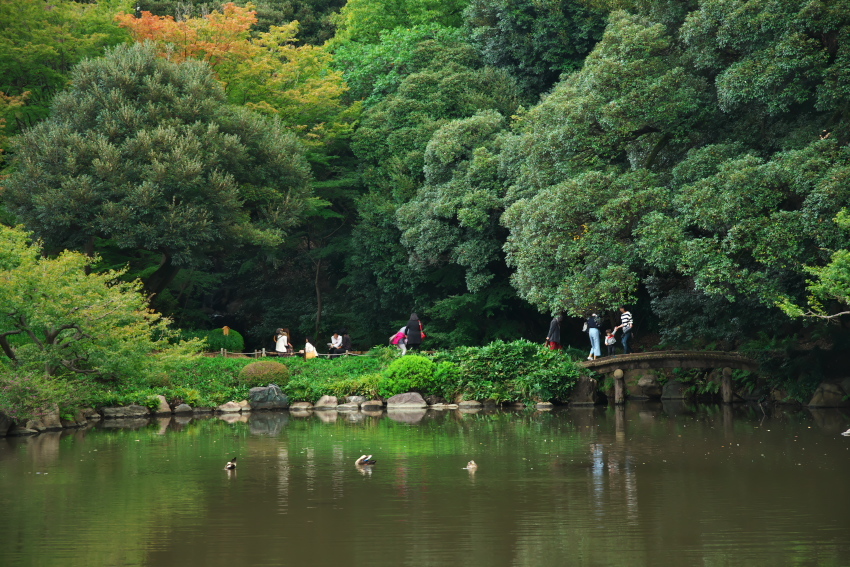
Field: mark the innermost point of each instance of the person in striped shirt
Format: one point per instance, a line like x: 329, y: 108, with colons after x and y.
x: 626, y: 325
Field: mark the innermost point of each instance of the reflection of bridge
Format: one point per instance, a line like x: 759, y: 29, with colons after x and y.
x: 620, y: 363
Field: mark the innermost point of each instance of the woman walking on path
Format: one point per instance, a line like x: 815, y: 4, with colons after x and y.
x: 553, y: 339
x: 593, y: 333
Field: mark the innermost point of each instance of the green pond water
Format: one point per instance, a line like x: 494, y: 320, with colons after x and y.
x: 648, y: 484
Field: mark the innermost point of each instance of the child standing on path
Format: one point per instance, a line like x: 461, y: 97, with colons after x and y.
x: 610, y: 341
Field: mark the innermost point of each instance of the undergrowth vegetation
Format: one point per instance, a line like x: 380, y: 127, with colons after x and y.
x: 503, y: 372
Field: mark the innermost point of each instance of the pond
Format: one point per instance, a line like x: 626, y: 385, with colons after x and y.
x: 649, y: 484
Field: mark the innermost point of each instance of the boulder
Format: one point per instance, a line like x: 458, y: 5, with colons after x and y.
x: 47, y: 420
x: 268, y: 397
x: 469, y: 404
x: 408, y: 400
x: 132, y: 411
x: 90, y: 414
x: 355, y: 399
x: 163, y: 408
x: 544, y: 405
x: 301, y: 406
x: 649, y: 387
x: 126, y: 423
x: 675, y: 390
x: 19, y: 431
x: 348, y: 407
x: 183, y: 408
x: 79, y: 420
x: 830, y: 394
x: 372, y: 405
x: 229, y: 407
x: 586, y: 393
x: 245, y: 405
x: 326, y: 403
x: 6, y: 424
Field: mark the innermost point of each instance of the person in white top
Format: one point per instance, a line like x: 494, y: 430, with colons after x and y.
x: 281, y: 344
x: 309, y: 350
x: 335, y: 344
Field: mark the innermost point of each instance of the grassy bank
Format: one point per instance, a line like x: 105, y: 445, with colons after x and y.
x: 517, y: 371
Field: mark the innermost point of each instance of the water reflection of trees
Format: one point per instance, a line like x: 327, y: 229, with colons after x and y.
x: 600, y: 485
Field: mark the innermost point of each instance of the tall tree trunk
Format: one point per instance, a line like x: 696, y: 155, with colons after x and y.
x: 318, y: 301
x: 163, y: 275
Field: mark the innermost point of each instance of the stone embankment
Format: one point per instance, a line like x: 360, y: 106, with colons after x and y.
x: 270, y: 397
x: 407, y: 407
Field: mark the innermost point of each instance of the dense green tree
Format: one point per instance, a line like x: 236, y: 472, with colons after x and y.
x: 661, y: 163
x: 59, y: 320
x: 149, y: 154
x: 40, y: 43
x: 365, y: 20
x: 536, y: 41
x: 374, y: 70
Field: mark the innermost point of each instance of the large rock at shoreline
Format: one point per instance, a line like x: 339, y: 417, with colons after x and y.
x: 19, y: 431
x: 372, y: 405
x: 163, y: 408
x: 6, y: 424
x: 90, y: 414
x: 675, y: 390
x: 183, y: 408
x: 229, y: 407
x: 326, y: 403
x: 649, y: 387
x: 586, y: 393
x: 132, y: 411
x: 831, y: 394
x: 48, y: 420
x: 408, y: 400
x: 268, y: 397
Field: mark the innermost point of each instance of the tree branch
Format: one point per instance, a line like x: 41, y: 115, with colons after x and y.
x: 7, y: 348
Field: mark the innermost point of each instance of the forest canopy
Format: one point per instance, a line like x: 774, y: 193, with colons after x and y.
x: 319, y: 164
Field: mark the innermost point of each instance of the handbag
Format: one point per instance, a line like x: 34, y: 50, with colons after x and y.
x: 422, y: 332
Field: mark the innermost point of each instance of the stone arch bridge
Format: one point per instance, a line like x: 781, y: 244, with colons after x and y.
x: 619, y: 364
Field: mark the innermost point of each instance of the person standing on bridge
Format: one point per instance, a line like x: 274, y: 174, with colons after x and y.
x: 593, y: 332
x: 626, y: 325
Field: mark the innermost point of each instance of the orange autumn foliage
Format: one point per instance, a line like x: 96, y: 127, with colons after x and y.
x: 215, y: 38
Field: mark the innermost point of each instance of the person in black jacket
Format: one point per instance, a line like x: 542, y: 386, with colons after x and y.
x: 413, y: 331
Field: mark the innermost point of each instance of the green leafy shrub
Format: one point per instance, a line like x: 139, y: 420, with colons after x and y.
x: 447, y: 380
x: 515, y: 371
x: 412, y: 373
x: 233, y: 341
x: 263, y: 373
x: 24, y: 395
